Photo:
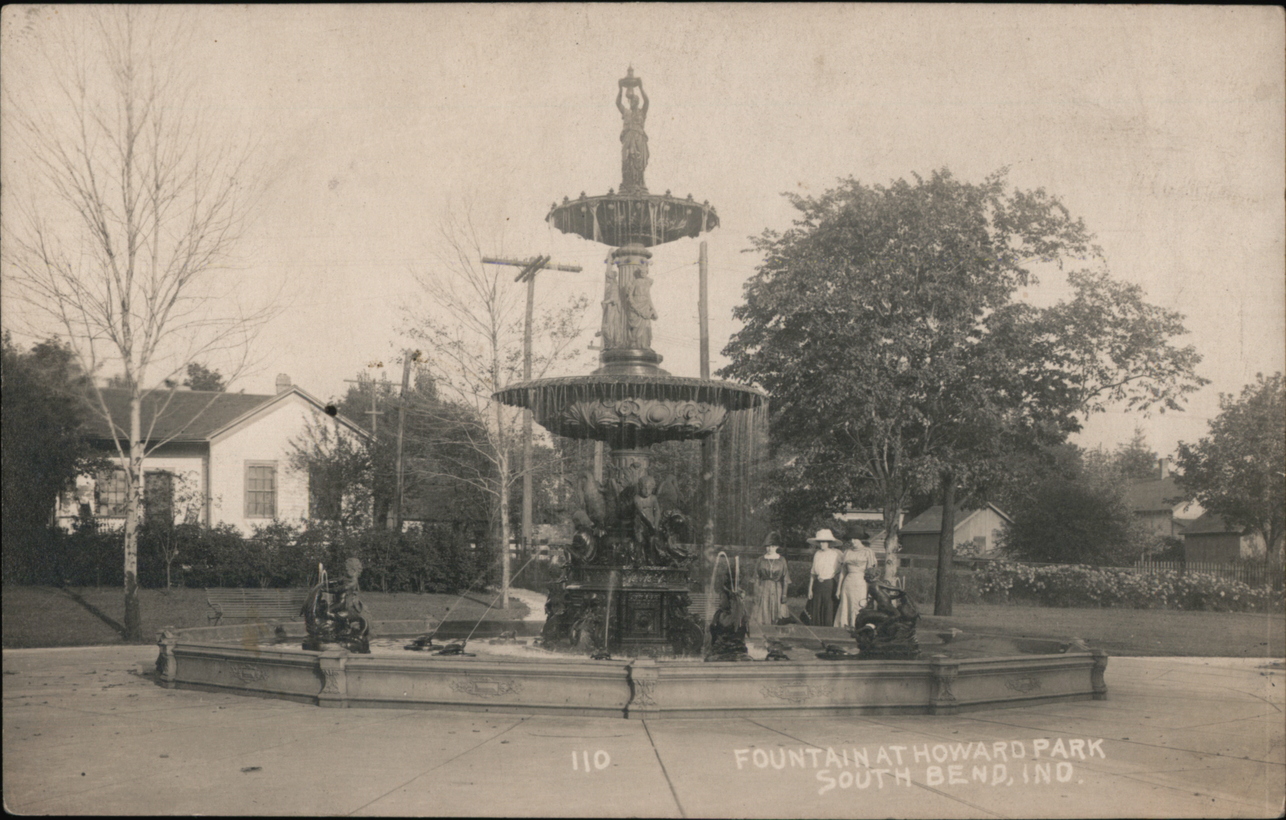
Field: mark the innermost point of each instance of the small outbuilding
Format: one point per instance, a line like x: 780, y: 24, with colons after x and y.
x: 1212, y: 540
x: 977, y: 531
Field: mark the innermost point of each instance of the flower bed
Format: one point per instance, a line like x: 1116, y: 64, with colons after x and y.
x: 1079, y: 585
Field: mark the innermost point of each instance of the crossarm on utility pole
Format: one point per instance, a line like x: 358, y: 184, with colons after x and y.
x: 529, y: 269
x: 530, y: 265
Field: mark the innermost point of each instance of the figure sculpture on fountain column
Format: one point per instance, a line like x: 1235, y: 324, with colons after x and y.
x: 613, y: 329
x: 634, y: 151
x: 584, y: 546
x: 647, y: 519
x: 640, y: 311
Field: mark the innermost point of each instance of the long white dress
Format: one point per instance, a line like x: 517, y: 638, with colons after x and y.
x: 852, y: 591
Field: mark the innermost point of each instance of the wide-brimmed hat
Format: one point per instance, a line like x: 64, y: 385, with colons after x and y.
x: 772, y: 539
x: 824, y: 535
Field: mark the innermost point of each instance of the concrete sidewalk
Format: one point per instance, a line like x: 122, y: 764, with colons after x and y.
x: 87, y: 731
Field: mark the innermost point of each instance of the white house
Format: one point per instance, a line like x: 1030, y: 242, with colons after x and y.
x: 217, y: 458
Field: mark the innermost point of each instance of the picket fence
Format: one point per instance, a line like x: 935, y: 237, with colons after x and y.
x: 1252, y: 573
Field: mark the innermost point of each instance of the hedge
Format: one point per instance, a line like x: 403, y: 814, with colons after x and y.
x: 1079, y: 585
x: 276, y: 555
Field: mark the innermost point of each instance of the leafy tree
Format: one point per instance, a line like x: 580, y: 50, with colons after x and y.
x: 353, y: 480
x: 372, y: 405
x: 201, y: 377
x: 1239, y: 470
x: 339, y: 474
x: 1135, y: 460
x: 887, y: 326
x: 1075, y: 513
x: 43, y: 399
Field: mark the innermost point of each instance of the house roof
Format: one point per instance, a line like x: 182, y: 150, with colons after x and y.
x: 1154, y: 495
x: 1212, y: 524
x: 930, y: 520
x: 188, y: 415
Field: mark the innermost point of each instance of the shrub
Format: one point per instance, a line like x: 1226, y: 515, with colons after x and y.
x: 799, y: 572
x: 921, y: 583
x: 89, y: 555
x: 1069, y: 585
x: 219, y: 556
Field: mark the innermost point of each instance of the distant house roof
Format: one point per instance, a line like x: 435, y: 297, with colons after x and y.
x: 1154, y: 495
x: 930, y: 520
x: 187, y: 415
x: 1212, y: 524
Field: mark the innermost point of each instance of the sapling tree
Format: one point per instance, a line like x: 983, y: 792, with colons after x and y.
x: 470, y: 332
x: 121, y: 214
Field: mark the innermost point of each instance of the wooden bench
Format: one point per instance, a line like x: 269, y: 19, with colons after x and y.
x: 255, y: 604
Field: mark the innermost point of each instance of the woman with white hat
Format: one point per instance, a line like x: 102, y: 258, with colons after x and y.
x: 821, y: 580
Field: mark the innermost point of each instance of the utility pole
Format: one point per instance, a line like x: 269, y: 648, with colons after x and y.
x: 374, y: 413
x: 407, y: 357
x: 528, y: 274
x: 709, y: 444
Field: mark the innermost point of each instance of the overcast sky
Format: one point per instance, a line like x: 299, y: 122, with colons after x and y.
x: 1161, y: 126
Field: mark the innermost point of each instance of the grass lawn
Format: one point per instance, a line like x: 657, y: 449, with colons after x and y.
x: 1129, y: 631
x: 1122, y: 631
x: 87, y: 616
x: 44, y: 616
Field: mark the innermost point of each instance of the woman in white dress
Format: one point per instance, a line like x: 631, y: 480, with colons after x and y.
x: 852, y: 586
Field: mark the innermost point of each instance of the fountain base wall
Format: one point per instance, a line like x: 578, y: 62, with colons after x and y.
x: 245, y: 660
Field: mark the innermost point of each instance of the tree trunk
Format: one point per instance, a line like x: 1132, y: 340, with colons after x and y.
x: 133, y: 506
x: 946, y: 546
x: 892, y: 545
x: 504, y: 526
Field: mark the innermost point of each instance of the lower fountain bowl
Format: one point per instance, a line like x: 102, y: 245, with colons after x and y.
x: 265, y: 660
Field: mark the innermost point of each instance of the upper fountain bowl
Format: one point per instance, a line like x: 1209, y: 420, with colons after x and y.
x: 637, y: 218
x: 631, y: 410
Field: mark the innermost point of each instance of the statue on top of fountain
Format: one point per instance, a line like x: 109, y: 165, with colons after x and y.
x: 634, y: 151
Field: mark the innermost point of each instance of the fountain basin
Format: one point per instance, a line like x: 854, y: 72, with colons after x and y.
x: 654, y: 408
x: 633, y: 219
x: 249, y: 659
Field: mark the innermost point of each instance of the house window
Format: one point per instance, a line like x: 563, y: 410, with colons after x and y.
x: 261, y: 489
x: 158, y: 496
x: 111, y: 490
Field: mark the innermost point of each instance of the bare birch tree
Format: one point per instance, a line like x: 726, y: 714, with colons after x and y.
x: 118, y: 232
x: 473, y: 347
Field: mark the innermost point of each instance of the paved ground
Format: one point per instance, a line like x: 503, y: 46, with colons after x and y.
x: 85, y: 731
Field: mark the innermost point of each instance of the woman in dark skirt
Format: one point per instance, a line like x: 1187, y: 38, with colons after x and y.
x: 822, y: 591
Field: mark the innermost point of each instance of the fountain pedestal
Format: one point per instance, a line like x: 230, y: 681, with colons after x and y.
x: 628, y: 588
x: 646, y: 607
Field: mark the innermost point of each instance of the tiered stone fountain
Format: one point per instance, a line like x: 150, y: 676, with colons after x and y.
x: 628, y: 579
x: 629, y: 572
